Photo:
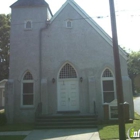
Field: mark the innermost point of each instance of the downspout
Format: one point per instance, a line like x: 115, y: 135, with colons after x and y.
x: 40, y: 61
x: 40, y: 64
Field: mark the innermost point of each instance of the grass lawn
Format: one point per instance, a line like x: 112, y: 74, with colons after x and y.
x: 109, y: 131
x: 17, y: 127
x: 12, y: 137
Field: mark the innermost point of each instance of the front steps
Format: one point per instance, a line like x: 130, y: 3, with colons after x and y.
x: 66, y: 121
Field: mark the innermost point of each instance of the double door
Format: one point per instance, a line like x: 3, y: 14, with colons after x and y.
x: 68, y: 95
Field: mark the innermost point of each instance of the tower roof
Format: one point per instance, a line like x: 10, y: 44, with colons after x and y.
x: 24, y: 3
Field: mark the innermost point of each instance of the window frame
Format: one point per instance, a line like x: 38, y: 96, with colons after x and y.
x: 107, y: 79
x: 25, y: 23
x: 22, y: 94
x: 67, y: 24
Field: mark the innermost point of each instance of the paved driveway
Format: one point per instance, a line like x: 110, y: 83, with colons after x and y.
x: 137, y: 105
x: 64, y: 134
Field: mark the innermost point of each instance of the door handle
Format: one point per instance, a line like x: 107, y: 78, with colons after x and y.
x: 63, y: 83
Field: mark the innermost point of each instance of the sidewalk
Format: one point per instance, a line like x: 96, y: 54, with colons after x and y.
x: 25, y: 133
x: 58, y: 134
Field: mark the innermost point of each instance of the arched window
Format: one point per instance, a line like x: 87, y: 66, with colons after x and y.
x: 27, y: 90
x: 108, y: 87
x: 67, y: 72
x: 28, y: 24
x: 68, y: 24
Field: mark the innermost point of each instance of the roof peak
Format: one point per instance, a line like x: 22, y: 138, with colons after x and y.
x: 24, y: 3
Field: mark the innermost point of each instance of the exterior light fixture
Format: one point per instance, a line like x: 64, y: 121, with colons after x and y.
x: 53, y: 80
x: 81, y: 79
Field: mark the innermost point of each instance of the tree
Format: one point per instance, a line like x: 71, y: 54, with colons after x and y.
x: 4, y: 45
x: 133, y: 66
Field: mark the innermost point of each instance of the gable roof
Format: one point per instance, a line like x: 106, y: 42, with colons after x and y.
x: 23, y: 3
x: 85, y: 16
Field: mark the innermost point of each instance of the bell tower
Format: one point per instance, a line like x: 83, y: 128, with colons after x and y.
x: 27, y: 19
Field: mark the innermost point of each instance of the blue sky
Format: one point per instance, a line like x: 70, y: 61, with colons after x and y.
x: 127, y: 15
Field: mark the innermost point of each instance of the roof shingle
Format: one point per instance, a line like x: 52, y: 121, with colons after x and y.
x: 24, y: 3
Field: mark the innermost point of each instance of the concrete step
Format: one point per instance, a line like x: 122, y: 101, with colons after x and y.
x: 65, y: 127
x: 69, y: 121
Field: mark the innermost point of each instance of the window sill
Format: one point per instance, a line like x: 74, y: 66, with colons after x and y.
x: 26, y: 107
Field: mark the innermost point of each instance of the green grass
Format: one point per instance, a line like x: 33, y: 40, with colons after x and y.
x: 12, y: 137
x: 109, y: 131
x: 17, y: 126
x: 14, y: 127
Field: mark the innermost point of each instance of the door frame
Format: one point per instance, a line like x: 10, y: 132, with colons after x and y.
x: 67, y: 79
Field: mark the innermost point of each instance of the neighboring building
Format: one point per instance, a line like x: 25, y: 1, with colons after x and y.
x: 2, y: 93
x: 61, y: 63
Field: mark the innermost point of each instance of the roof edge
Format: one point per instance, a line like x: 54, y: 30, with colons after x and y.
x: 21, y: 3
x: 91, y: 22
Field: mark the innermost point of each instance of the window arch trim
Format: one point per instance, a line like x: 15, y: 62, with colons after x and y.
x: 63, y: 67
x: 104, y: 77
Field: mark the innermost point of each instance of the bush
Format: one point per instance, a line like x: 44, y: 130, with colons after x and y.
x: 3, y: 119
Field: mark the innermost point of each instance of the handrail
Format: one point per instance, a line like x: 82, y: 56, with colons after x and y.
x: 38, y: 111
x: 95, y: 112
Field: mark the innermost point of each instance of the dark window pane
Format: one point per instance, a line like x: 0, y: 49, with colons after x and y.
x: 27, y: 99
x: 27, y: 88
x: 108, y: 85
x: 28, y: 76
x: 69, y: 24
x: 28, y: 25
x: 108, y: 97
x: 107, y: 73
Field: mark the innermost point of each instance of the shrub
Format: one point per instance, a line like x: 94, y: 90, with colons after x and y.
x: 3, y: 119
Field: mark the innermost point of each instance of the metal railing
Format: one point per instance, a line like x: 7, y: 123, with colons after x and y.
x: 38, y: 111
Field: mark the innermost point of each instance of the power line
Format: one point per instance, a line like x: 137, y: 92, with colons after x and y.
x: 96, y: 17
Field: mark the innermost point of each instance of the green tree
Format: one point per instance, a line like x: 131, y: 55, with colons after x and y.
x: 133, y: 66
x: 4, y: 45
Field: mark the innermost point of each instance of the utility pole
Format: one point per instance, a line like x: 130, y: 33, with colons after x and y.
x: 119, y: 89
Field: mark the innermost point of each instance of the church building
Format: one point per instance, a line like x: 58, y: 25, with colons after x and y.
x: 61, y: 63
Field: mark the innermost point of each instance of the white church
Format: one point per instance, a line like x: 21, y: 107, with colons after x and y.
x: 61, y: 64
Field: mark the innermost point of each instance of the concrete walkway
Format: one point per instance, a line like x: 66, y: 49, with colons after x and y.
x: 13, y: 133
x: 64, y: 134
x: 57, y: 134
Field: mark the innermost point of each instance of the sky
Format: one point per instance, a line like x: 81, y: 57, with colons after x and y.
x: 127, y: 17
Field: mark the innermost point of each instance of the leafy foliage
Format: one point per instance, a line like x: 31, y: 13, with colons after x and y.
x: 4, y: 45
x: 133, y: 66
x: 134, y: 63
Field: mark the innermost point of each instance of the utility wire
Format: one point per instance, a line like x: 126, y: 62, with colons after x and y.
x: 95, y: 17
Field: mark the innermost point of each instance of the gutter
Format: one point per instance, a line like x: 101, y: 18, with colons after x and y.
x: 40, y: 58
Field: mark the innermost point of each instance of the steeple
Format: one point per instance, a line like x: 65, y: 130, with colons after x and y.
x: 25, y: 3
